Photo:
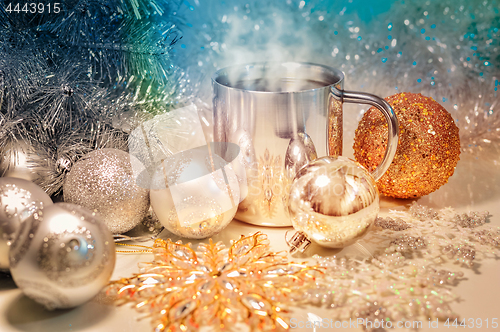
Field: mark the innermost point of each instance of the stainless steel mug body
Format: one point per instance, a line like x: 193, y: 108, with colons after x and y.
x: 281, y: 115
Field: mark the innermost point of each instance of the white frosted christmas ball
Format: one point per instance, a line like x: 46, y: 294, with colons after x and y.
x: 195, y: 193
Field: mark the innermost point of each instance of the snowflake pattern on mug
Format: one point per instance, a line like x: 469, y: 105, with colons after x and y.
x: 273, y: 184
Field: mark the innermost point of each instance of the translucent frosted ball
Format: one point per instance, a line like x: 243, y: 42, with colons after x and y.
x: 334, y: 201
x: 195, y: 193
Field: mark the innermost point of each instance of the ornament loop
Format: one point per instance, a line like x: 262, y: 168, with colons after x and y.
x: 121, y: 238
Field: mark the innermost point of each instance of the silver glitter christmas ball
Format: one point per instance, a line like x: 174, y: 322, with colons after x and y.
x: 18, y: 198
x: 195, y: 193
x: 63, y: 256
x: 103, y: 180
x: 334, y: 201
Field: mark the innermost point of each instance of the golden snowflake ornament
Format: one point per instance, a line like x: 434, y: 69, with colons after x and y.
x: 185, y: 290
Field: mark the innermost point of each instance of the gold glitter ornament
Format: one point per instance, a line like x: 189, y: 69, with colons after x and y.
x: 215, y: 286
x: 103, y: 181
x: 428, y: 147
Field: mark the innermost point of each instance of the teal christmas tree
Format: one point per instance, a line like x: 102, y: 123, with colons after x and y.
x: 68, y: 69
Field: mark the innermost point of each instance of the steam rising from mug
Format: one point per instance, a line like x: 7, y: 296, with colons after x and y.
x: 271, y: 78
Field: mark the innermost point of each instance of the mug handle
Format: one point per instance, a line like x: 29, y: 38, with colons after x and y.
x: 390, y: 117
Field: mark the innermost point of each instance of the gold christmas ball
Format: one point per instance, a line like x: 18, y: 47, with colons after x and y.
x: 428, y: 146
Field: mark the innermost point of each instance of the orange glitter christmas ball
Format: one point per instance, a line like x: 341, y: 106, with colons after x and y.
x: 428, y: 147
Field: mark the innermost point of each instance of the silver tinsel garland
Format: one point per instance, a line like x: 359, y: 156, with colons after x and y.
x: 46, y: 154
x: 70, y: 83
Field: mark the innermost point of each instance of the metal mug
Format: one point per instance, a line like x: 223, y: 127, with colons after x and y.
x: 283, y: 115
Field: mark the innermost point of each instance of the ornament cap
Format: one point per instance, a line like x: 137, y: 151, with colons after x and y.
x: 298, y: 242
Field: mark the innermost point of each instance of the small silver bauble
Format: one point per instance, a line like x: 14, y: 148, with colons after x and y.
x: 63, y: 256
x: 334, y: 201
x: 195, y: 193
x: 300, y: 151
x: 5, y: 242
x: 103, y: 180
x: 16, y: 196
x: 16, y: 160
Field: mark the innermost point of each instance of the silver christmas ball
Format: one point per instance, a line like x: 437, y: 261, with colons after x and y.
x: 16, y: 160
x: 18, y: 199
x: 62, y: 256
x: 195, y: 193
x: 103, y: 181
x: 300, y: 151
x: 5, y: 241
x: 334, y: 201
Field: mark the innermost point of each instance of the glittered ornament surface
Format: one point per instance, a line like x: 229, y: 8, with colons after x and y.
x: 103, y: 181
x: 428, y: 148
x: 18, y: 199
x: 17, y: 195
